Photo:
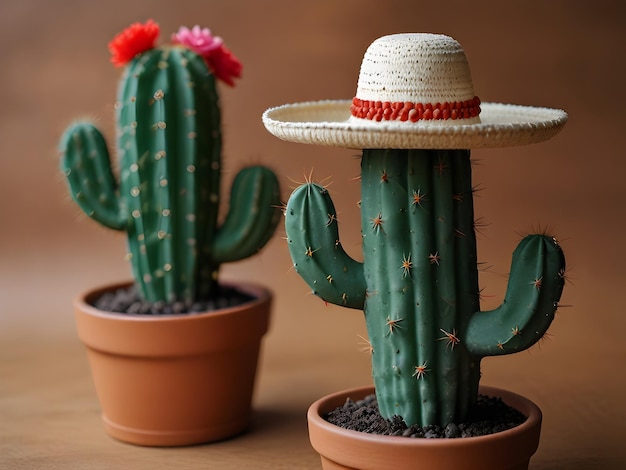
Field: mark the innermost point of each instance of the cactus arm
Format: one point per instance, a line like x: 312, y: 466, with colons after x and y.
x: 317, y: 254
x: 534, y: 288
x: 86, y: 164
x: 253, y: 215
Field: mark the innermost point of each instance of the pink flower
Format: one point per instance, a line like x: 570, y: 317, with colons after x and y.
x: 135, y: 39
x: 220, y: 60
x: 200, y: 40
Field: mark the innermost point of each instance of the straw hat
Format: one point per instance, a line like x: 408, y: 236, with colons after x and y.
x: 413, y: 91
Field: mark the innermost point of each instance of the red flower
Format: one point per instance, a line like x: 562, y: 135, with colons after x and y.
x: 224, y: 64
x: 135, y: 39
x: 220, y: 60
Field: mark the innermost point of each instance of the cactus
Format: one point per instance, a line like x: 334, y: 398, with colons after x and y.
x: 418, y: 283
x: 167, y: 198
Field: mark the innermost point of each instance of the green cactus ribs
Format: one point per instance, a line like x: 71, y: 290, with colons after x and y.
x: 418, y: 283
x: 167, y: 199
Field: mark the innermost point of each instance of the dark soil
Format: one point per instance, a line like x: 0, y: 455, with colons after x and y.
x: 127, y: 300
x: 489, y: 416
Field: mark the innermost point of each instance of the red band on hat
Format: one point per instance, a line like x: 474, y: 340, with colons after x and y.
x: 407, y: 111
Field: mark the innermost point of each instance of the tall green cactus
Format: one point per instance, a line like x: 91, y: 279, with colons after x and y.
x: 418, y: 283
x: 167, y: 199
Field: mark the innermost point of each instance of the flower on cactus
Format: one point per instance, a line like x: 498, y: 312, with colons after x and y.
x: 220, y: 60
x: 199, y: 39
x: 137, y: 38
x: 141, y: 37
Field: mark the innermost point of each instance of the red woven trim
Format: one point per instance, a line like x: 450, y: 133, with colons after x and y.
x: 407, y: 111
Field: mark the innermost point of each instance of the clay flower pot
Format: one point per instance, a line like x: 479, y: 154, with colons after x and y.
x: 174, y: 380
x: 340, y: 448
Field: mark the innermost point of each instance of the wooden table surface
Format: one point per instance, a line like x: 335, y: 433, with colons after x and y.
x: 558, y: 54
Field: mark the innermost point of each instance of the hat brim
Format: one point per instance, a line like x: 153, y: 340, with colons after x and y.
x: 330, y: 123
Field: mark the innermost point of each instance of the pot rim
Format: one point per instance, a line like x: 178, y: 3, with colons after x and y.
x: 519, y: 402
x: 260, y: 293
x: 234, y: 327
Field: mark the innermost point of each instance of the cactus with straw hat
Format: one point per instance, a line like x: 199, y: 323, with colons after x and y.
x: 416, y: 116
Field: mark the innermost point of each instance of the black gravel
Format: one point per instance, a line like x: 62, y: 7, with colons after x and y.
x: 489, y: 416
x: 127, y: 300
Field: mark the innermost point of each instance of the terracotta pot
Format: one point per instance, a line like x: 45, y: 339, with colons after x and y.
x: 174, y: 380
x: 344, y: 449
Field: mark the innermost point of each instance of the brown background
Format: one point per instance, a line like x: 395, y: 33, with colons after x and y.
x: 54, y: 67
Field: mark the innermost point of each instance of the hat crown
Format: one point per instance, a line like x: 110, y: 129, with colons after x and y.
x: 421, y: 69
x: 417, y: 67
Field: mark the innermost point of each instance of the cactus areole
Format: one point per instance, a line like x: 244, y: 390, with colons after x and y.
x: 418, y: 282
x: 167, y: 195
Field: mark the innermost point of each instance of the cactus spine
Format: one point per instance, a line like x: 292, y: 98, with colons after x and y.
x: 167, y: 199
x: 418, y: 283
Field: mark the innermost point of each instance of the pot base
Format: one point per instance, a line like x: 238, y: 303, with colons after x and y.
x: 330, y: 465
x: 175, y: 438
x: 342, y: 449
